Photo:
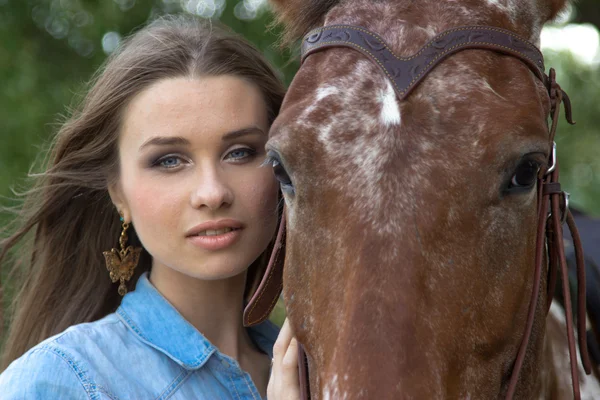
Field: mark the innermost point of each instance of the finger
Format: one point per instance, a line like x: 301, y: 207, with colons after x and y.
x: 290, y: 359
x: 279, y: 349
x: 284, y: 383
x: 289, y: 370
x: 286, y: 334
x: 281, y: 344
x: 271, y: 390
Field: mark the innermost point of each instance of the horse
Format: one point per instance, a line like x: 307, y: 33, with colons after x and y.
x: 413, y: 248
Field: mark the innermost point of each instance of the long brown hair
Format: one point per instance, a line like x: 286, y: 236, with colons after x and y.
x: 67, y: 218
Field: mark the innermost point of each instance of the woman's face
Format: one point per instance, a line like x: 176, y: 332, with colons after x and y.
x: 191, y: 179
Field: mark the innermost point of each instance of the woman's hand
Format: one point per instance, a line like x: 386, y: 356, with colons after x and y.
x: 284, y: 383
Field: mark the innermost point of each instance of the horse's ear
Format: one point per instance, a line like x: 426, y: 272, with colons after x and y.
x: 300, y: 16
x: 282, y: 6
x: 554, y: 7
x: 287, y: 11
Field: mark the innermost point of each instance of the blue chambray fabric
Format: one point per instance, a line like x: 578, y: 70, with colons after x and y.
x: 145, y: 350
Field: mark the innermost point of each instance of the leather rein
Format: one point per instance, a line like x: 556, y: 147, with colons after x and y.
x: 405, y: 73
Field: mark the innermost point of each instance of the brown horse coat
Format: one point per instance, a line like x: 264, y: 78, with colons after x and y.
x: 409, y: 250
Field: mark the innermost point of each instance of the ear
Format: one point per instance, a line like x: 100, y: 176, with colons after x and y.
x: 116, y: 196
x: 300, y: 16
x: 285, y: 10
x: 553, y: 8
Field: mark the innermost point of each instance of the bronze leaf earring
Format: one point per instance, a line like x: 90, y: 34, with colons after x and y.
x: 121, y: 263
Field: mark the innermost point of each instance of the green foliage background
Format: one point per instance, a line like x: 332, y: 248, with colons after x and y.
x: 50, y: 48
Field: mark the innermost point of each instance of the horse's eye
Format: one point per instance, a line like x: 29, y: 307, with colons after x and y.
x: 526, y: 174
x: 280, y: 173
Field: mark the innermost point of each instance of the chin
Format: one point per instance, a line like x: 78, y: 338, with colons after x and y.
x: 217, y: 270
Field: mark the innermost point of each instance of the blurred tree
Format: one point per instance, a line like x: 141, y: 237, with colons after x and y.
x: 578, y: 146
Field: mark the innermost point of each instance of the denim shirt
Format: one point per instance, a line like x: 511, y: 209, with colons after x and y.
x: 145, y: 350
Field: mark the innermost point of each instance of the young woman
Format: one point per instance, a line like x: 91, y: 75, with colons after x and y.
x: 154, y: 183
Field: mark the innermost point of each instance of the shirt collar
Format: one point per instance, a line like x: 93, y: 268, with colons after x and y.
x: 145, y: 312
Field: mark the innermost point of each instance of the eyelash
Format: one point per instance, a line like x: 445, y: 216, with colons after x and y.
x: 159, y: 161
x: 250, y: 153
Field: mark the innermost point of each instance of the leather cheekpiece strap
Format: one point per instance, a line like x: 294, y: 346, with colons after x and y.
x: 264, y: 299
x: 551, y: 188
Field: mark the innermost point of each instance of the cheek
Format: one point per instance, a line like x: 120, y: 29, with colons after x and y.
x: 154, y: 207
x: 259, y: 194
x: 149, y: 202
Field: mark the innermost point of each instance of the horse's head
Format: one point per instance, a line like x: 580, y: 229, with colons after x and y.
x: 412, y: 224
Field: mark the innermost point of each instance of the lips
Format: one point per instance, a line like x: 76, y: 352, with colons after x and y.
x: 215, y: 228
x: 211, y: 232
x: 215, y: 235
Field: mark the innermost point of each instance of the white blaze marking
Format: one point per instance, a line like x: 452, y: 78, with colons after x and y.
x: 331, y: 391
x: 323, y: 92
x: 390, y: 113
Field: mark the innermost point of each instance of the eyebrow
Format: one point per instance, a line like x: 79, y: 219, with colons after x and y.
x: 165, y: 141
x: 242, y: 132
x: 180, y: 141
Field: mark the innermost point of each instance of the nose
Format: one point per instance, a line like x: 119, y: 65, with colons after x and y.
x: 212, y: 191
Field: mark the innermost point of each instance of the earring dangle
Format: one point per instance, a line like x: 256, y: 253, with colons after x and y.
x: 121, y: 263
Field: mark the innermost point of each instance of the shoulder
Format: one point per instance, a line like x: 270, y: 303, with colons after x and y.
x: 42, y: 371
x: 60, y: 364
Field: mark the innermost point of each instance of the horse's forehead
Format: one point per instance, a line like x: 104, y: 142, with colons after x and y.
x: 351, y: 119
x: 354, y: 121
x: 390, y: 19
x: 356, y: 116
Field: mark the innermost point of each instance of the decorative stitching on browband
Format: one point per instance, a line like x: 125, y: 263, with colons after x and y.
x: 313, y: 46
x: 401, y: 92
x: 441, y: 35
x: 421, y: 74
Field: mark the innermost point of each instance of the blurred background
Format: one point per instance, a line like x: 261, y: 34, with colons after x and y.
x: 50, y: 48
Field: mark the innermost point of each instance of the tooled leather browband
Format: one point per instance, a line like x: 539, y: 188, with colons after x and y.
x: 405, y: 73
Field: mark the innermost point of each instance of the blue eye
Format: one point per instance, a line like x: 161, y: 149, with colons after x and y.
x: 240, y: 154
x: 168, y: 162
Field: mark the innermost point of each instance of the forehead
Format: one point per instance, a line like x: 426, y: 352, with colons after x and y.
x: 184, y: 106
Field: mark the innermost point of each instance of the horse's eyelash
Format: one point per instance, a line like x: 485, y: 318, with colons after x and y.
x: 269, y: 161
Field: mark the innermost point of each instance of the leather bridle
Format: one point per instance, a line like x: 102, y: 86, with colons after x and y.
x: 406, y: 73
